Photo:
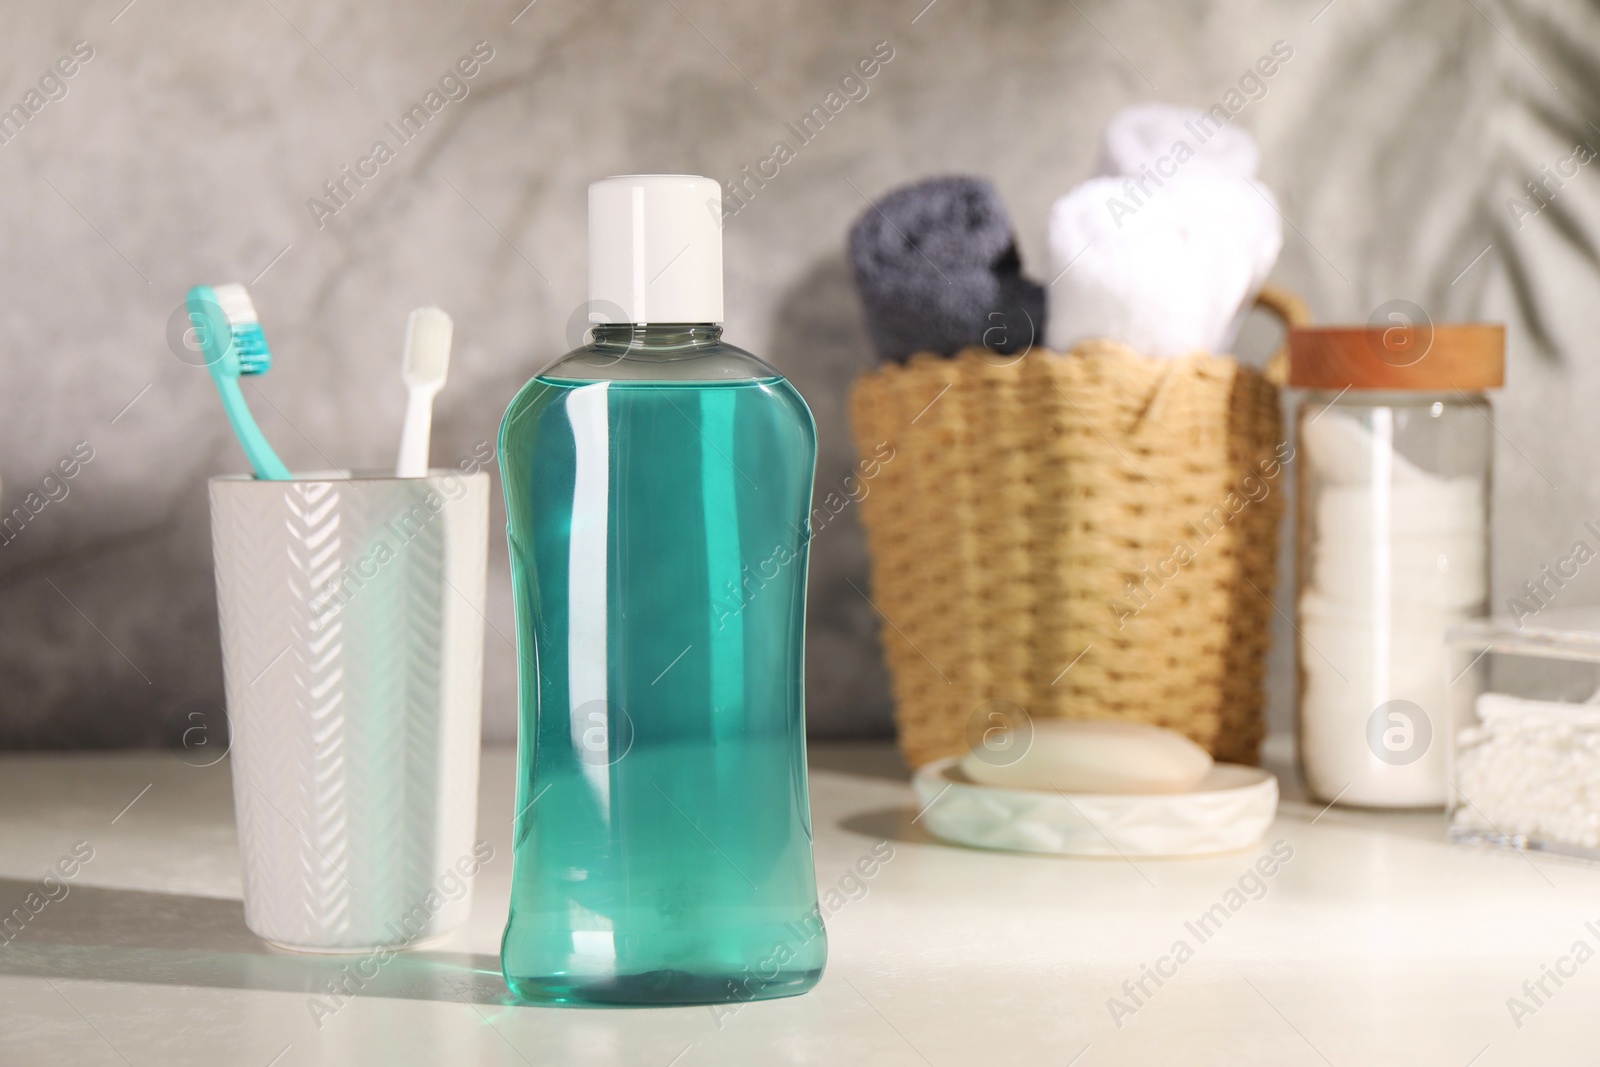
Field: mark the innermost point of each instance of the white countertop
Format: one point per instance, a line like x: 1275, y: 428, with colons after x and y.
x: 1376, y: 943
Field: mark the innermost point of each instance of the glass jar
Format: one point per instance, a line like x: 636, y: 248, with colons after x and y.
x: 1394, y: 457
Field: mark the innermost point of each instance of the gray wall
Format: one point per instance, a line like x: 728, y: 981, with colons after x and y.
x: 187, y: 147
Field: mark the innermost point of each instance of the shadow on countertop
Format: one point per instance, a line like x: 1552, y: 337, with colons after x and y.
x: 890, y: 824
x: 880, y: 761
x: 127, y: 935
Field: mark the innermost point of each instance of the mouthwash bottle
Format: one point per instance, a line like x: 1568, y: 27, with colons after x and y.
x: 658, y: 485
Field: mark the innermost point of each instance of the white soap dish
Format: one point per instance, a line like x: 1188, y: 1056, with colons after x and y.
x: 1229, y: 810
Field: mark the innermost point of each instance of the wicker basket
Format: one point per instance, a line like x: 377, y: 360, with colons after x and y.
x: 1086, y: 536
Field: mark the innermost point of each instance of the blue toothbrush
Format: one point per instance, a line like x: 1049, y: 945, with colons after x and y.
x: 231, y: 339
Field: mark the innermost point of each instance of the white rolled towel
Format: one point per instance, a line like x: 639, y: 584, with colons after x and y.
x: 1165, y: 270
x: 1159, y: 141
x: 1166, y: 136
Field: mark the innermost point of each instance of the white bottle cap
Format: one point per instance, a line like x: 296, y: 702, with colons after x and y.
x: 655, y: 249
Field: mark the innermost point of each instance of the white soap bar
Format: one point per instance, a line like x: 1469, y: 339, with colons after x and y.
x: 1096, y: 757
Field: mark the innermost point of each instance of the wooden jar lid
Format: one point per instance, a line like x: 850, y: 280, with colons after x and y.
x: 1427, y: 357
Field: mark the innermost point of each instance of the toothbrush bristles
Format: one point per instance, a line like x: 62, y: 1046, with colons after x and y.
x: 429, y: 331
x: 234, y: 302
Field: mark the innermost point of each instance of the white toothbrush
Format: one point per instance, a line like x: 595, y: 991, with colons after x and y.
x: 427, y: 359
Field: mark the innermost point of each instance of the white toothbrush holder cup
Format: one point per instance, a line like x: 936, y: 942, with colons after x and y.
x: 352, y: 652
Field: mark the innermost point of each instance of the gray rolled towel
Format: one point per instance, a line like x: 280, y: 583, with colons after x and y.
x: 937, y: 268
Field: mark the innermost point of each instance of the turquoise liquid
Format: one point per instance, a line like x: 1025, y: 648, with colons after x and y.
x: 658, y: 553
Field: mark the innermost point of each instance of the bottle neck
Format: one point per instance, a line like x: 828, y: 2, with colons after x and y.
x: 663, y: 338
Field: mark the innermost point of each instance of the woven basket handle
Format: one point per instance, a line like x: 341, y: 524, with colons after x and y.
x: 1289, y: 310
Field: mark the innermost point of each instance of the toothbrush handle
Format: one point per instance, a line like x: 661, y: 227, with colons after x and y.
x: 263, y: 460
x: 414, y: 436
